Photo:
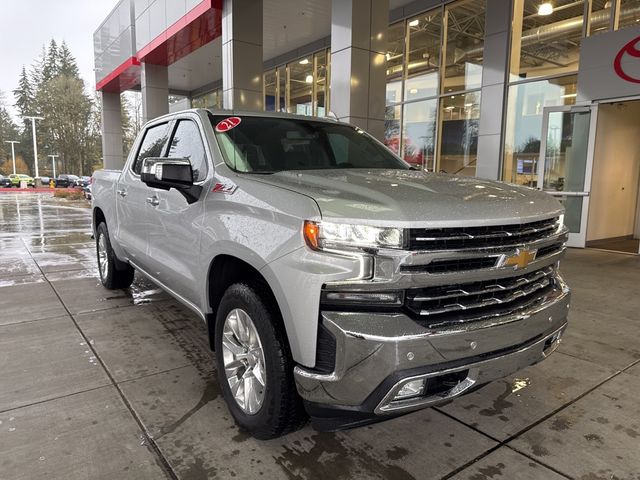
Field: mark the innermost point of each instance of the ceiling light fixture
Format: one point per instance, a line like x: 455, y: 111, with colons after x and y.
x: 414, y: 23
x: 309, y: 79
x: 545, y: 8
x: 304, y: 61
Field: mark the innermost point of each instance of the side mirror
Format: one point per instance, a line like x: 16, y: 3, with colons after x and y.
x: 168, y: 173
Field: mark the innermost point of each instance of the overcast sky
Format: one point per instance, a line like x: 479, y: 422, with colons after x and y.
x: 26, y: 25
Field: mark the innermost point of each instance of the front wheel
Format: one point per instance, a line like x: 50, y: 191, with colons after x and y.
x: 255, y: 368
x: 114, y: 274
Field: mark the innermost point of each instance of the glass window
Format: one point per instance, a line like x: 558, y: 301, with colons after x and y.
x: 282, y: 89
x: 423, y: 55
x: 546, y: 37
x: 187, y: 143
x: 268, y: 145
x: 320, y: 60
x: 600, y: 16
x: 208, y: 100
x: 419, y: 133
x: 152, y: 145
x: 464, y: 46
x: 392, y: 128
x: 395, y: 62
x: 629, y: 13
x: 301, y: 86
x: 566, y: 151
x: 459, y: 120
x: 270, y: 90
x: 524, y: 124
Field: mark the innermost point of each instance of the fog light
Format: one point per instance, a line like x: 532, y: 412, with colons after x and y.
x: 385, y: 298
x: 414, y: 388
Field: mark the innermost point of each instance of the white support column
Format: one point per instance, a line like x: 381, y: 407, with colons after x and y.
x: 358, y: 62
x: 155, y: 91
x: 242, y: 55
x: 112, y: 131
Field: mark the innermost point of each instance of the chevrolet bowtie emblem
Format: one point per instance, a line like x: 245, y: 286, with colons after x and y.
x: 520, y: 259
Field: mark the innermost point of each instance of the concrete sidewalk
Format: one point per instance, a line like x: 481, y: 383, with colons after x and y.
x: 101, y: 384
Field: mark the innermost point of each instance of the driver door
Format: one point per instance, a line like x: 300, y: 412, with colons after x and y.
x: 175, y: 230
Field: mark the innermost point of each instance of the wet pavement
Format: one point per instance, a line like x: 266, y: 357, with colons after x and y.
x: 103, y: 384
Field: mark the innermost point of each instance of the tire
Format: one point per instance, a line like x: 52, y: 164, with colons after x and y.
x: 281, y: 410
x: 113, y: 273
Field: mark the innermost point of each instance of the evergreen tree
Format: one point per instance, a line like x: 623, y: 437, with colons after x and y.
x: 67, y: 62
x: 8, y: 131
x: 51, y: 63
x: 24, y: 94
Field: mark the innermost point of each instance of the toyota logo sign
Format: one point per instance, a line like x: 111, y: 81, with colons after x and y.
x: 631, y: 49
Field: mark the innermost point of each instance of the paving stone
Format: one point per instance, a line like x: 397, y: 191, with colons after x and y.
x: 185, y: 413
x: 82, y: 295
x: 23, y: 302
x: 615, y: 346
x: 43, y: 360
x: 596, y: 437
x: 507, y: 406
x: 13, y: 266
x: 132, y: 342
x: 506, y: 464
x: 87, y: 435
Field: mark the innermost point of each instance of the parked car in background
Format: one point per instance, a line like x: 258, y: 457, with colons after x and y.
x: 322, y: 261
x: 44, y: 181
x: 65, y: 181
x: 83, y: 181
x: 87, y: 192
x: 20, y: 177
x: 5, y: 182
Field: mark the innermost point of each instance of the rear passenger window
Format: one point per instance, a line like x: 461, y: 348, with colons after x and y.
x: 152, y: 144
x: 187, y: 143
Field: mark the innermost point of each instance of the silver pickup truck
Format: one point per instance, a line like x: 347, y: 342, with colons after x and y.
x: 336, y: 281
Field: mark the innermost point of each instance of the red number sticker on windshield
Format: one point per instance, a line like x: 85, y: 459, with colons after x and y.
x: 227, y: 124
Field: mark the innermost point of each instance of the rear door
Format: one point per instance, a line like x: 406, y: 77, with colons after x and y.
x: 175, y: 232
x: 133, y: 198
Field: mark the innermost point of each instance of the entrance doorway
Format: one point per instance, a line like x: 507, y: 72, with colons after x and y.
x: 614, y: 210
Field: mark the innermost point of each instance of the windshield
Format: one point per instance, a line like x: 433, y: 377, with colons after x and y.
x: 269, y: 145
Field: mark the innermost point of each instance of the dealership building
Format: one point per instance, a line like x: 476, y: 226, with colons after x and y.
x: 539, y: 93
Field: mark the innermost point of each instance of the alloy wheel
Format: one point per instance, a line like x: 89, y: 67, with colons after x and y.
x: 244, y: 364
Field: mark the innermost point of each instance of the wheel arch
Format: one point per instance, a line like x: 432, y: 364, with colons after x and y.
x: 227, y: 269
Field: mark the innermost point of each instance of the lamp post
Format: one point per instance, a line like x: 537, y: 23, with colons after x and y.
x: 35, y: 144
x: 53, y: 162
x: 13, y: 153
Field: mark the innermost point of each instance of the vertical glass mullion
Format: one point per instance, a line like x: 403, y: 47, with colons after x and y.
x: 441, y: 74
x: 405, y: 71
x: 314, y: 86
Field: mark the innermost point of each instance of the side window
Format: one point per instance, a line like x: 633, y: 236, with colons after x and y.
x: 187, y: 143
x: 152, y: 143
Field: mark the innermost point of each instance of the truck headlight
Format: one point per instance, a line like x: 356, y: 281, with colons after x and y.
x: 328, y: 236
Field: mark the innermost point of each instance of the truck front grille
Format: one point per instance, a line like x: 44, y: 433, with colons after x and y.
x: 442, y: 305
x: 480, y: 237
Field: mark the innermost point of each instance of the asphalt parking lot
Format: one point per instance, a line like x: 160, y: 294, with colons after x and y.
x: 100, y: 384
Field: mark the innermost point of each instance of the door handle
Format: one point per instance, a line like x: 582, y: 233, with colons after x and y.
x: 122, y: 193
x: 153, y: 201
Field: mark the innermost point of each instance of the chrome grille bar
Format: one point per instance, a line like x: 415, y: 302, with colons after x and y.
x: 500, y: 285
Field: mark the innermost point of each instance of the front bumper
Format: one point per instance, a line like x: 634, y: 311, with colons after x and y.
x: 377, y: 353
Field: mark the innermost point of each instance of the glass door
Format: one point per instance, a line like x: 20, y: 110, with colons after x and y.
x: 566, y: 159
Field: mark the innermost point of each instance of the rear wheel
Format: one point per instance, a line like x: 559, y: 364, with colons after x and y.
x: 114, y: 274
x: 255, y: 368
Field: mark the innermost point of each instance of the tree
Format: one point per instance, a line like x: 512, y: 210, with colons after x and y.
x: 66, y: 62
x: 51, y: 63
x: 8, y: 130
x: 52, y: 88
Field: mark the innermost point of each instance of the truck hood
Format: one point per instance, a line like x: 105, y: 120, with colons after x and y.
x: 408, y: 198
